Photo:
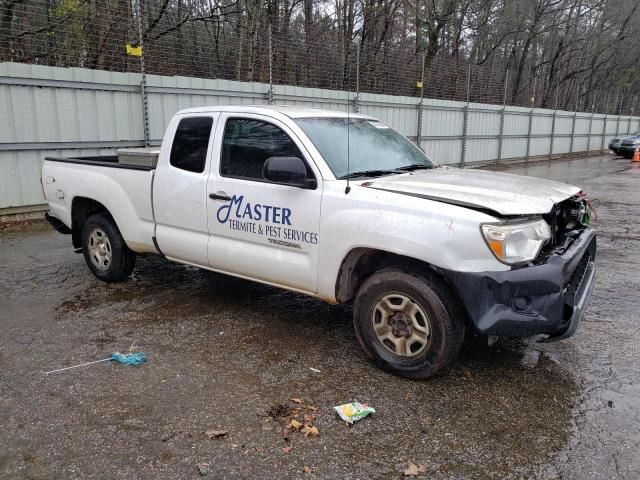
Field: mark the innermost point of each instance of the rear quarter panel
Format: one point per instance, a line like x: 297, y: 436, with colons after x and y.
x: 125, y: 193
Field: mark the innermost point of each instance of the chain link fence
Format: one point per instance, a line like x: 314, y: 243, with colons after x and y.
x: 224, y: 41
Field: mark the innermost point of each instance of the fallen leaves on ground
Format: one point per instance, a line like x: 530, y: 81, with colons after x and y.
x: 414, y: 470
x: 295, y: 424
x: 298, y: 418
x: 278, y: 411
x: 306, y: 469
x: 310, y: 431
x: 213, y: 433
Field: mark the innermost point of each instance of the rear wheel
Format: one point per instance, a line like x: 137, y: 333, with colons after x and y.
x: 408, y: 323
x: 104, y: 249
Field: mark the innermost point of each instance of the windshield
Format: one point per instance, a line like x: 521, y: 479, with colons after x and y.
x: 374, y: 148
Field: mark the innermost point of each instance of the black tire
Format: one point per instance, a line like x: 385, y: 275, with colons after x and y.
x: 121, y: 259
x: 444, y: 316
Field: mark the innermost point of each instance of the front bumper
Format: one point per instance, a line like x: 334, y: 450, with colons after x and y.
x: 549, y: 298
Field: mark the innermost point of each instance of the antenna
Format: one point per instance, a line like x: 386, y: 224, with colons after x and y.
x: 348, y: 187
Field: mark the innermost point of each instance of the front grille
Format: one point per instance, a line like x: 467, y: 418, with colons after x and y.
x: 572, y: 286
x: 578, y: 275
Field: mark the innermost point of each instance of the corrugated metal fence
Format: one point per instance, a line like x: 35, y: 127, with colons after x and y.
x: 72, y: 111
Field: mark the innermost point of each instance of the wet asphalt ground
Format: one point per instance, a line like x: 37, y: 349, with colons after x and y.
x: 229, y: 355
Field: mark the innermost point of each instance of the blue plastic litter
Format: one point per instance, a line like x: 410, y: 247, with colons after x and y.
x: 137, y: 358
x: 134, y: 359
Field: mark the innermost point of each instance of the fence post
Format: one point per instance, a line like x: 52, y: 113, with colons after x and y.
x: 270, y: 91
x: 420, y: 105
x: 573, y: 124
x: 502, y: 113
x: 604, y: 132
x: 618, y: 113
x: 356, y: 99
x: 501, y: 134
x: 589, y: 137
x: 526, y: 157
x: 465, y: 121
x: 553, y: 125
x: 633, y: 105
x: 573, y: 131
x: 604, y: 126
x: 143, y: 80
x: 533, y: 102
x: 553, y: 133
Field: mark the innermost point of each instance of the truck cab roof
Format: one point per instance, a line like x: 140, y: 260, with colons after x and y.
x: 290, y: 111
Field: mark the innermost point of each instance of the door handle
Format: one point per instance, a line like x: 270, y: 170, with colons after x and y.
x: 219, y: 196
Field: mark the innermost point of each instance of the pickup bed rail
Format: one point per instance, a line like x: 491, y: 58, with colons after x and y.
x: 109, y: 161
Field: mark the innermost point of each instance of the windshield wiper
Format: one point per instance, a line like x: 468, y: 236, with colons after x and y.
x: 415, y: 166
x: 369, y: 173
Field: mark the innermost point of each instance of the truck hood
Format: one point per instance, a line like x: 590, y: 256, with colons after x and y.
x: 502, y: 193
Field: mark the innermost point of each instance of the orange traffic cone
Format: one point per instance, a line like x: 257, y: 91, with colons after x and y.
x: 636, y: 155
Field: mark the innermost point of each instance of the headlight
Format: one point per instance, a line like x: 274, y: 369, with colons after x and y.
x: 514, y: 243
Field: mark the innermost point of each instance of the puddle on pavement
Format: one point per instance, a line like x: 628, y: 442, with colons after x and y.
x: 509, y: 405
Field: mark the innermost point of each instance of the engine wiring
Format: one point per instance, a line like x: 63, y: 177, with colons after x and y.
x: 592, y: 206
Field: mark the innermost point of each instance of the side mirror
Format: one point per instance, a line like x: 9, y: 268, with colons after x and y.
x: 288, y: 171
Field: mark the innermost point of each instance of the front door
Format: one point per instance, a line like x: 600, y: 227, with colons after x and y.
x: 180, y: 189
x: 260, y: 229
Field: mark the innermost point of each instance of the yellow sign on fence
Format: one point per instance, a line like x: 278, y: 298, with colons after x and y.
x: 134, y: 51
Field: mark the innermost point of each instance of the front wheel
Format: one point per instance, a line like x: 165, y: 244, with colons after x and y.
x: 408, y: 323
x: 104, y: 249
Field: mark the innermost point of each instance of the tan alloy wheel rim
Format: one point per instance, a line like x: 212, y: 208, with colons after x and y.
x: 401, y: 325
x: 100, y: 249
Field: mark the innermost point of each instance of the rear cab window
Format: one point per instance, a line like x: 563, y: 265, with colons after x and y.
x: 190, y: 144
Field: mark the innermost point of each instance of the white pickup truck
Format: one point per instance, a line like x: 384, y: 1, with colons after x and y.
x: 342, y: 208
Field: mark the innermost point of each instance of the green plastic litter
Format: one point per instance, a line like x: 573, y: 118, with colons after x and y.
x: 352, y: 412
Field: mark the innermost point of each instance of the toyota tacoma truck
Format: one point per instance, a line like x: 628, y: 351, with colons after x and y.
x: 343, y: 208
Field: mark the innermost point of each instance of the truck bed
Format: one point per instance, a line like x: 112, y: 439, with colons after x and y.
x: 124, y: 190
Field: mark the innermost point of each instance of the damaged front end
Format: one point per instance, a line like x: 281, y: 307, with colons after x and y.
x: 566, y: 221
x: 547, y: 295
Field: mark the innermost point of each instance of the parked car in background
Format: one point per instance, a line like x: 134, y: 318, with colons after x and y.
x: 615, y: 145
x: 628, y: 145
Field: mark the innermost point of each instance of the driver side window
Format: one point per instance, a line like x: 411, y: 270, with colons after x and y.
x: 248, y: 143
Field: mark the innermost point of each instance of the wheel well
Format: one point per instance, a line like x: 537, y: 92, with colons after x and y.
x: 361, y: 263
x: 81, y: 209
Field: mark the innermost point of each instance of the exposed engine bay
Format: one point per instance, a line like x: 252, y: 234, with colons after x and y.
x: 566, y: 220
